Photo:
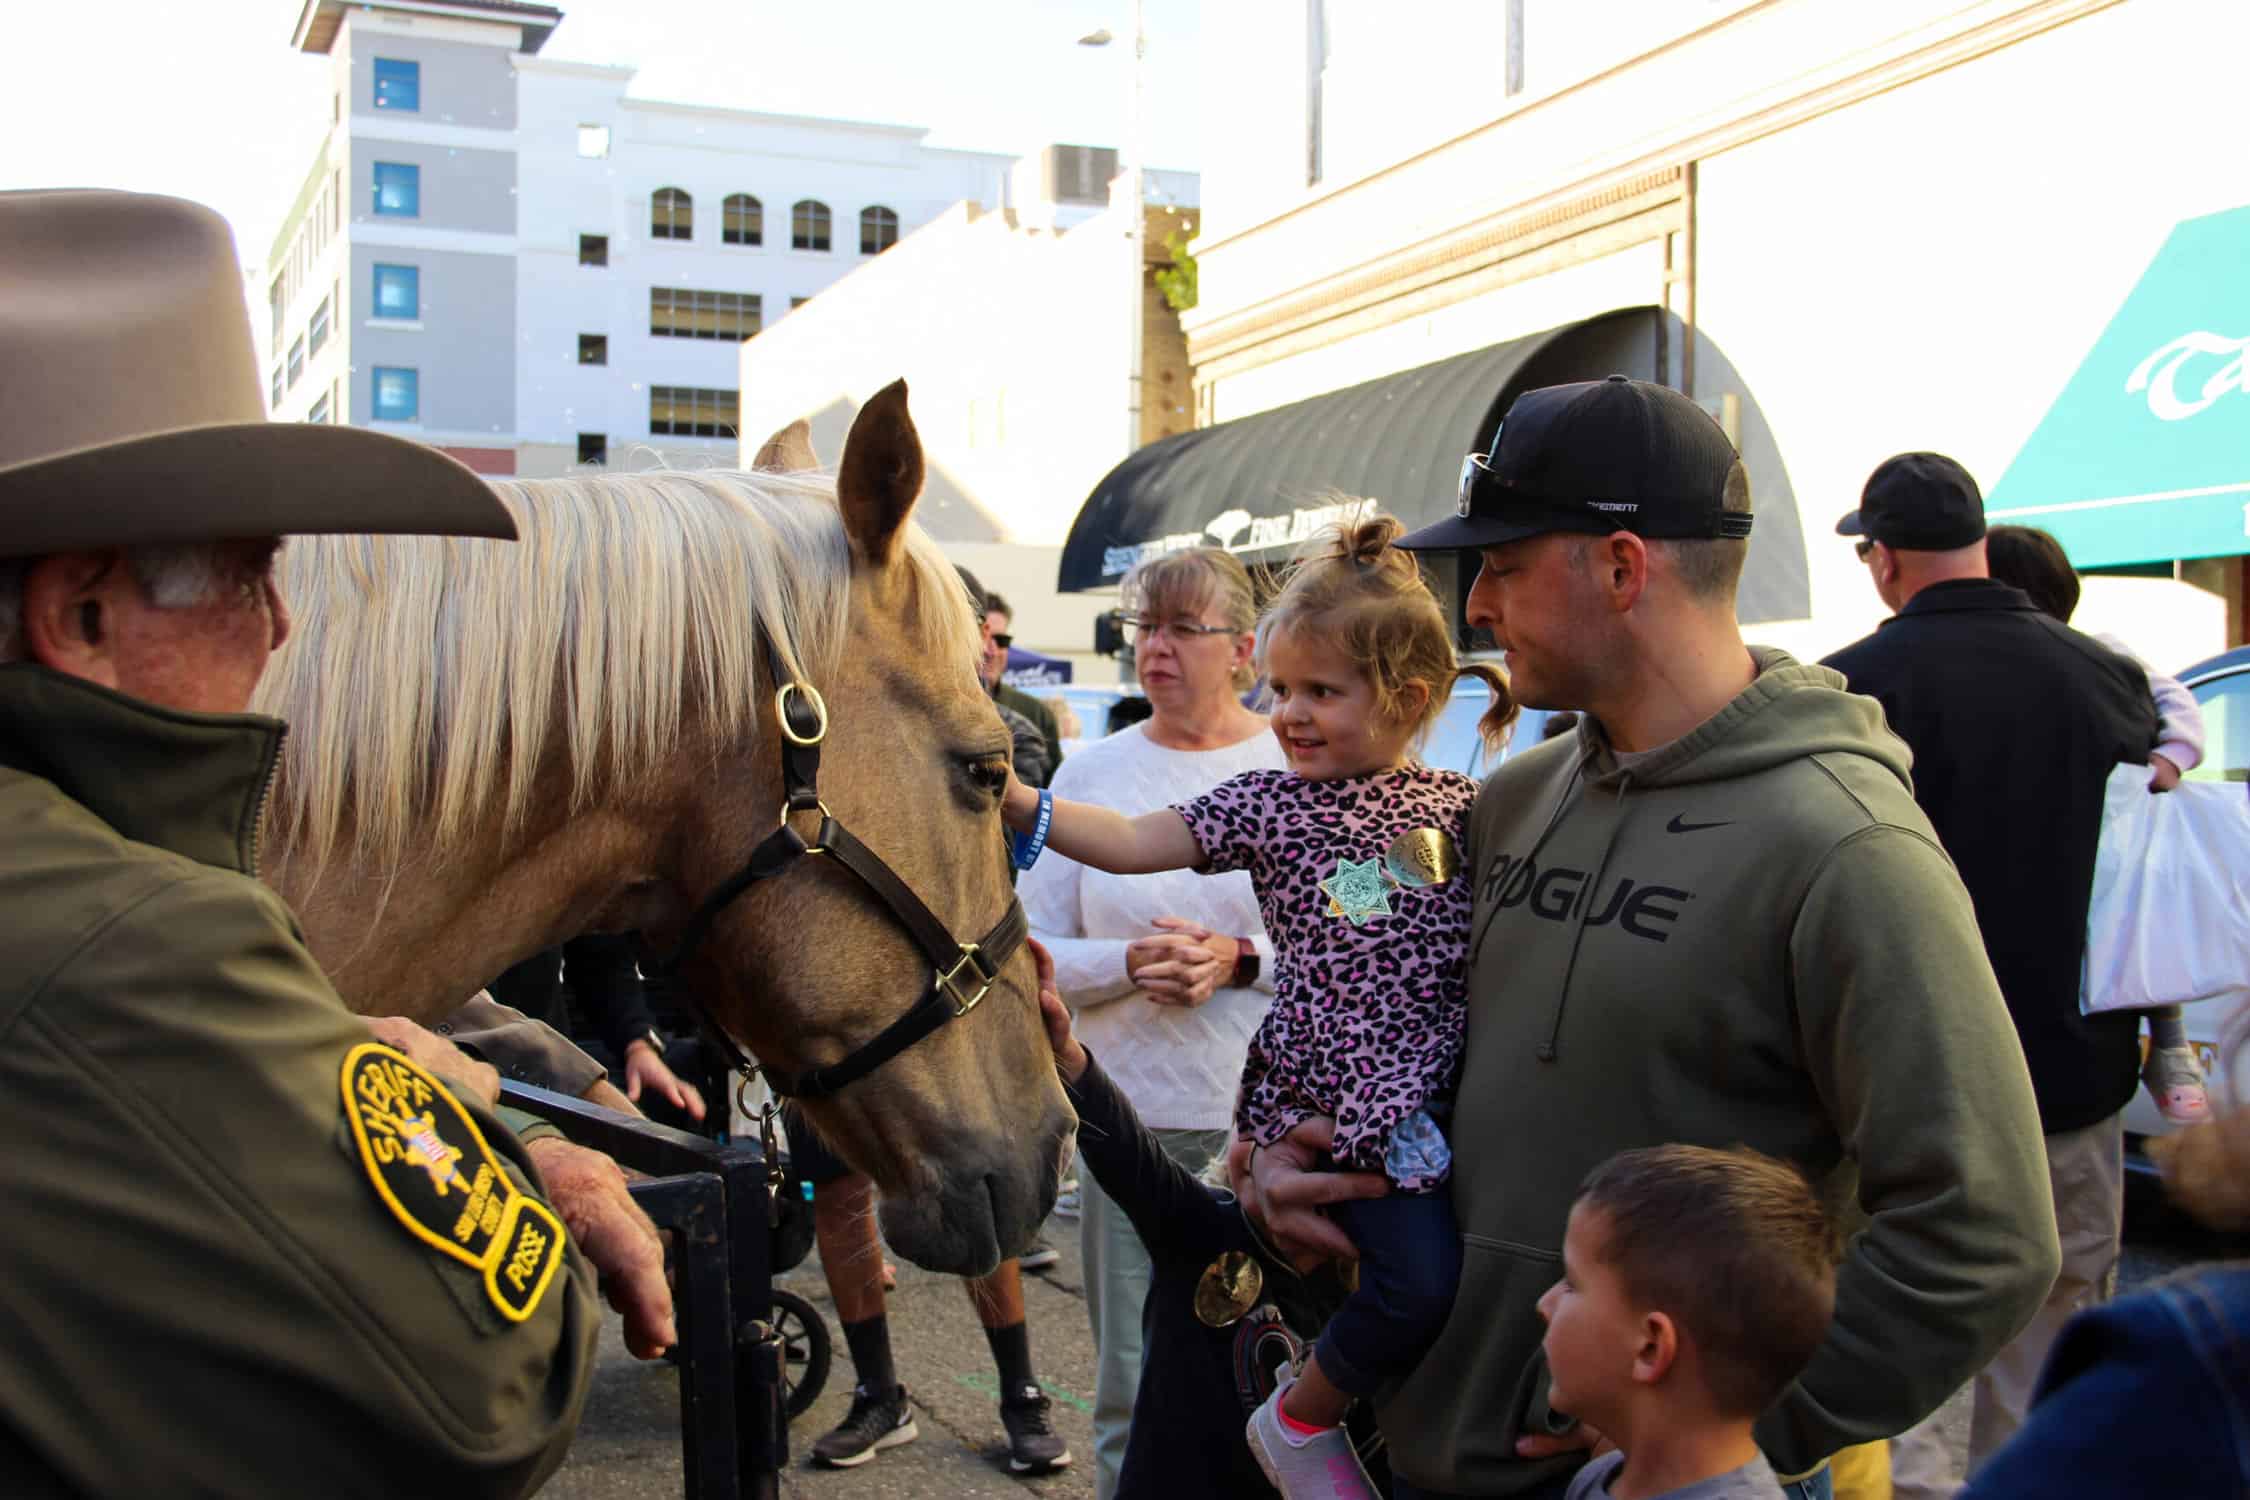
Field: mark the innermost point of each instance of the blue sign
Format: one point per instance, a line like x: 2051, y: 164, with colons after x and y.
x: 1027, y: 671
x: 2146, y: 454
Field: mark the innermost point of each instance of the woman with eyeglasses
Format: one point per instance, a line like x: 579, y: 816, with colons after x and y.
x: 1163, y: 972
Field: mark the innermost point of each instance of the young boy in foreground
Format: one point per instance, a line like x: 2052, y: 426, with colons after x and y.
x: 1696, y: 1285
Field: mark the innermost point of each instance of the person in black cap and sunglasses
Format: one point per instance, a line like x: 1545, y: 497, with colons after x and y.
x: 1713, y: 914
x: 2016, y: 721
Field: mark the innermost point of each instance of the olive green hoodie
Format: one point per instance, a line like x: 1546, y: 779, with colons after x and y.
x: 1748, y: 936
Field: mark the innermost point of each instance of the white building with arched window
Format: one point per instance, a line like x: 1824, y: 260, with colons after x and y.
x: 517, y: 261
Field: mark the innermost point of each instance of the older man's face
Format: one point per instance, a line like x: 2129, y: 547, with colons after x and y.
x: 206, y: 658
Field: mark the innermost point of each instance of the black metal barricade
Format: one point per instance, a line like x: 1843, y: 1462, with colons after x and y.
x: 733, y: 1435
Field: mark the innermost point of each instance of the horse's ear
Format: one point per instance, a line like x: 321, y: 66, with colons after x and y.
x: 880, y: 477
x: 788, y: 451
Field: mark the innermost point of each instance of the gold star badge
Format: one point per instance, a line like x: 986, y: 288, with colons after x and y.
x: 1357, y: 891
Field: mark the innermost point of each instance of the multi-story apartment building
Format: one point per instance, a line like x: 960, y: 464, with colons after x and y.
x: 510, y: 259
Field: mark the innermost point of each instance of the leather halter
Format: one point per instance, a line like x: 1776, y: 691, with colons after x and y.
x: 962, y: 974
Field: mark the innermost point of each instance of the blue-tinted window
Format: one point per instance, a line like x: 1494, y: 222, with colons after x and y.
x: 398, y: 189
x: 398, y: 394
x: 296, y: 361
x: 398, y: 291
x: 398, y: 85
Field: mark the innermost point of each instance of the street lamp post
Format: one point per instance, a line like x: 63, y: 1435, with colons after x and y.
x: 1136, y: 219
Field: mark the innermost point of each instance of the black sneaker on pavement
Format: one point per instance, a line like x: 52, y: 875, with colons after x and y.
x: 1034, y: 1447
x: 875, y: 1423
x: 1039, y: 1257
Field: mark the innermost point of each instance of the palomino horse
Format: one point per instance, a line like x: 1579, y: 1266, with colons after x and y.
x: 496, y: 746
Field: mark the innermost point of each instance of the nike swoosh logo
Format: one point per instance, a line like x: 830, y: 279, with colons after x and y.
x: 1677, y: 826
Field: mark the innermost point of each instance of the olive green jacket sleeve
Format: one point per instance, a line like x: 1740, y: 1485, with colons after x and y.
x: 1910, y: 1046
x: 520, y: 1048
x: 205, y: 1290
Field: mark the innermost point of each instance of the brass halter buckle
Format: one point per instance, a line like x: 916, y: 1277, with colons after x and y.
x: 949, y: 980
x: 819, y: 707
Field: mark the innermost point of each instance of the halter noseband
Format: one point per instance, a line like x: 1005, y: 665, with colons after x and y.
x: 962, y: 974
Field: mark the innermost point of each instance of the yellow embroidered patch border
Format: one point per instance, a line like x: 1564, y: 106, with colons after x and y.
x: 431, y: 1167
x: 532, y: 1248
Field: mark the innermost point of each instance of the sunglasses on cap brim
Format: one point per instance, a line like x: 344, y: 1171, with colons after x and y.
x: 1581, y: 515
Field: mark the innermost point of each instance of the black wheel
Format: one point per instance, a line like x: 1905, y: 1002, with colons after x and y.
x: 805, y: 1350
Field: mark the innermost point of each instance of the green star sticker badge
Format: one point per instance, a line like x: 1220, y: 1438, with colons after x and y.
x: 1357, y: 891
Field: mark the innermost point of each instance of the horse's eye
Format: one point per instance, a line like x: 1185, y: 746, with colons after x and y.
x: 989, y: 774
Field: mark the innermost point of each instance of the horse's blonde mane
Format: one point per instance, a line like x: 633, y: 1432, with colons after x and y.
x: 416, y: 663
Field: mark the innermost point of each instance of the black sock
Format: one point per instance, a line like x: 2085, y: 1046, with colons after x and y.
x: 1011, y: 1351
x: 870, y: 1343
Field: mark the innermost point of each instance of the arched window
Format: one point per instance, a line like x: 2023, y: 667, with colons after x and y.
x: 745, y: 220
x: 671, y: 215
x: 808, y: 225
x: 878, y: 230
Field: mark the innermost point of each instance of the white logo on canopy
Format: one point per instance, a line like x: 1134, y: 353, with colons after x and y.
x: 1228, y: 528
x: 2160, y: 372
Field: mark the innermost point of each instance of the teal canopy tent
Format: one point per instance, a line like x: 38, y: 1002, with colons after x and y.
x: 2146, y: 454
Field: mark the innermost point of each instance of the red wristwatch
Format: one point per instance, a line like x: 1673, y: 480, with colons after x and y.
x: 1245, y: 965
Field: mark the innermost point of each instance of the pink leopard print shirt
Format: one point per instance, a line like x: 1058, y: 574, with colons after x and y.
x: 1367, y: 1018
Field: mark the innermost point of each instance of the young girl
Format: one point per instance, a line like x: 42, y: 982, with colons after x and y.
x: 1355, y: 853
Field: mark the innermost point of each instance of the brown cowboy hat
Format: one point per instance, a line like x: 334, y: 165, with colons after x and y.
x: 130, y: 410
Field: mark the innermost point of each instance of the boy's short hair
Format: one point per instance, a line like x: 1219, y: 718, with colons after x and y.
x: 1731, y: 1245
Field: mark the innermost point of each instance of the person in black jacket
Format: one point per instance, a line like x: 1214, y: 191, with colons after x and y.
x: 1224, y: 1308
x: 2015, y: 721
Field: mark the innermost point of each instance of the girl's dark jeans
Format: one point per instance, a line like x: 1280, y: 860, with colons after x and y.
x: 1409, y: 1265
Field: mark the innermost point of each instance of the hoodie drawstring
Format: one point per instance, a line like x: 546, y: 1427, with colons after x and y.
x: 1577, y: 773
x: 1549, y: 1048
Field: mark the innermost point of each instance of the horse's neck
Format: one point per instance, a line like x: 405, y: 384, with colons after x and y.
x: 420, y: 940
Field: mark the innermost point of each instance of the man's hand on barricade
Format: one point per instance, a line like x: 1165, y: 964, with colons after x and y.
x: 588, y: 1191
x: 1282, y: 1192
x: 434, y: 1054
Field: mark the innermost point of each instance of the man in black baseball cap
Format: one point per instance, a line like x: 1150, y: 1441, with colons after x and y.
x: 1596, y: 457
x: 1728, y: 846
x: 2016, y: 722
x: 1922, y: 501
x: 1641, y: 468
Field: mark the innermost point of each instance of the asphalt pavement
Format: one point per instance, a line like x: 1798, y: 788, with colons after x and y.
x: 628, y: 1446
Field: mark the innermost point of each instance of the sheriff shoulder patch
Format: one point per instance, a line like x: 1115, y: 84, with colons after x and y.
x: 430, y: 1166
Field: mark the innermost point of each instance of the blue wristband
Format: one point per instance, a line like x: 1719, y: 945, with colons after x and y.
x: 1024, y: 848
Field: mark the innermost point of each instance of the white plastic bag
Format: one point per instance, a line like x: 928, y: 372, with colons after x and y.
x: 2170, y: 918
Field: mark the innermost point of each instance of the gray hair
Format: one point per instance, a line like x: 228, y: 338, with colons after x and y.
x: 174, y: 577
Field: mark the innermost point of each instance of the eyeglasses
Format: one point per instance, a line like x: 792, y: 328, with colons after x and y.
x: 1136, y: 628
x: 1865, y: 549
x: 1003, y: 640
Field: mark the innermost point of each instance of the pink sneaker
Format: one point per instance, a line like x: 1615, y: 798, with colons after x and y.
x: 2175, y: 1082
x: 1306, y: 1466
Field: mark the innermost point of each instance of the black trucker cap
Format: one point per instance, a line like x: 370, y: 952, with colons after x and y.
x: 1599, y: 456
x: 1924, y: 502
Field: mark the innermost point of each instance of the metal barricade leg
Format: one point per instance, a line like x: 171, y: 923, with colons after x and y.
x: 733, y: 1427
x: 694, y: 1209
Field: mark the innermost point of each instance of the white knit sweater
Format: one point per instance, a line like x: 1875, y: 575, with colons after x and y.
x: 1180, y: 1067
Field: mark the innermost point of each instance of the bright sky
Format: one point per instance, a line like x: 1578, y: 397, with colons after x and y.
x: 206, y: 99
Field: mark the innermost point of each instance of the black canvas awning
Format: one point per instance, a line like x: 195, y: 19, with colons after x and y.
x: 1263, y: 485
